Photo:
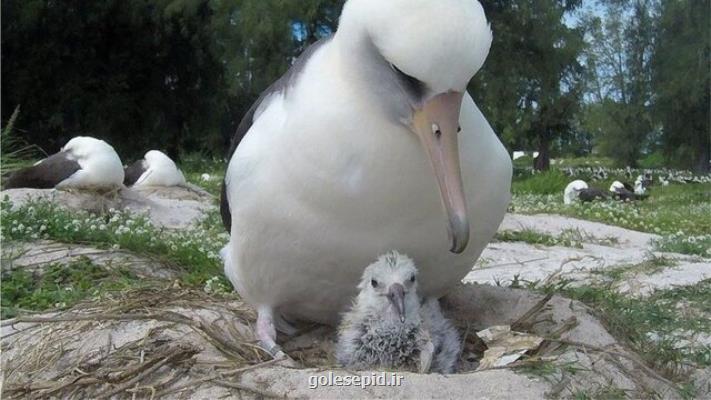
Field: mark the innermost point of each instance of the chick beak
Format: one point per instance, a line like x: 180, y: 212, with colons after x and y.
x: 396, y: 295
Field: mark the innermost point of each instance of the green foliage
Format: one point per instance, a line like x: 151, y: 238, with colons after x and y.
x: 16, y: 152
x: 167, y: 74
x: 549, y: 182
x: 58, y: 286
x: 653, y: 161
x: 682, y: 82
x: 529, y: 87
x: 619, y: 78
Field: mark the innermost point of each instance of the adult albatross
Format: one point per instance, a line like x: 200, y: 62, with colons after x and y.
x: 368, y: 143
x: 155, y: 169
x: 83, y: 163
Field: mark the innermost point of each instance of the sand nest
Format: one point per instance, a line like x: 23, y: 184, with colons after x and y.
x: 175, y: 343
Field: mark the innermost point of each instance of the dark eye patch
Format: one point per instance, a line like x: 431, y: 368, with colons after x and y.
x: 374, y: 283
x: 413, y: 85
x: 412, y: 278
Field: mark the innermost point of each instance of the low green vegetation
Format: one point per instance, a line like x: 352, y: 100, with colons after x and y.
x: 680, y: 213
x: 59, y: 286
x: 194, y: 251
x: 204, y: 171
x: 14, y: 152
x: 651, y: 265
x: 568, y: 238
x: 680, y: 243
x: 657, y: 327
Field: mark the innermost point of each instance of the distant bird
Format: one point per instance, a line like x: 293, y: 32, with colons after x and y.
x: 570, y: 194
x: 641, y: 184
x: 592, y: 194
x: 578, y: 190
x: 368, y: 143
x: 600, y: 174
x: 388, y: 328
x: 620, y: 192
x: 628, y: 172
x: 83, y: 163
x: 155, y: 169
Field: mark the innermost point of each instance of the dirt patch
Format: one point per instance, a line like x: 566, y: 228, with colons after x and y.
x: 36, y: 256
x: 183, y: 344
x: 505, y: 262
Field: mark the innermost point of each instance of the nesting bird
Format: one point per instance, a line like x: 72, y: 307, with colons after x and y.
x: 642, y: 183
x: 369, y: 142
x: 621, y: 192
x: 155, y: 169
x: 389, y: 327
x: 579, y: 190
x: 83, y: 163
x: 571, y: 192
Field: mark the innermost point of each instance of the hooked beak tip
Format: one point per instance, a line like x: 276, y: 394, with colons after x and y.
x: 459, y: 234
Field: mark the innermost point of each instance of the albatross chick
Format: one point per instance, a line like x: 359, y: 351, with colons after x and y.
x: 390, y: 327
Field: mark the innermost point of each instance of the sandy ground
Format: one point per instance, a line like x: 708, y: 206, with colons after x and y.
x: 41, y: 353
x: 503, y: 262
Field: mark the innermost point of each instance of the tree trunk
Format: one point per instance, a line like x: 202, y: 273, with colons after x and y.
x: 543, y: 161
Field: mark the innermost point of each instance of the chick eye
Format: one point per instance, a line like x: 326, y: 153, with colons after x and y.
x: 412, y: 278
x: 374, y: 282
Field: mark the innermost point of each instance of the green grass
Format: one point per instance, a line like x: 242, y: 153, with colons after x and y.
x: 638, y: 321
x: 567, y: 238
x: 677, y: 212
x: 194, y: 251
x: 699, y: 245
x: 16, y: 153
x: 651, y: 265
x: 549, y: 182
x: 194, y: 166
x: 59, y: 286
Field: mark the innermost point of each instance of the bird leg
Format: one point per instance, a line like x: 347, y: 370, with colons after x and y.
x: 266, y: 332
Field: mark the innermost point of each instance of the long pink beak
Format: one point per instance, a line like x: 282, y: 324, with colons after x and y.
x: 437, y: 125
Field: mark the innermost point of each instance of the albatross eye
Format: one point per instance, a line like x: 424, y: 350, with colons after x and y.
x: 374, y: 283
x: 412, y: 278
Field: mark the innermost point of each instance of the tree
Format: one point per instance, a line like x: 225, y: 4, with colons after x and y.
x: 618, y: 61
x: 529, y: 87
x: 682, y: 82
x: 171, y: 74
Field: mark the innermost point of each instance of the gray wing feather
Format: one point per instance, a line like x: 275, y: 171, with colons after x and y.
x: 133, y: 172
x: 44, y: 175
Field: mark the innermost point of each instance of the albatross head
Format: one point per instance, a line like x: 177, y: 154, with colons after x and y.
x: 420, y: 56
x: 83, y: 147
x: 389, y: 286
